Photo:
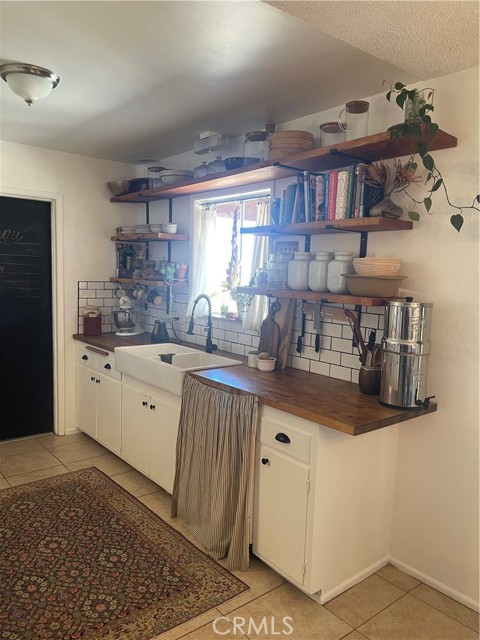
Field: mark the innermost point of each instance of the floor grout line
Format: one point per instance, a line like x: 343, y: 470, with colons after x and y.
x: 442, y: 611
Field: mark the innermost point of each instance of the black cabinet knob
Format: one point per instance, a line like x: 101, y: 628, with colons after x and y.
x: 152, y: 407
x: 92, y: 378
x: 282, y: 437
x: 144, y: 404
x: 265, y: 460
x: 97, y: 381
x: 84, y: 357
x: 107, y: 366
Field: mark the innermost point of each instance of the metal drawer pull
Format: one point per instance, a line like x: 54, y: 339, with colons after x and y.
x: 84, y: 357
x: 282, y: 437
x: 107, y: 366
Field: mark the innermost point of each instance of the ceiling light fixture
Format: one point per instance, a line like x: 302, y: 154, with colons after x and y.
x: 29, y: 81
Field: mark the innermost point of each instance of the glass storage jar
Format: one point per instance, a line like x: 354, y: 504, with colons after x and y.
x: 317, y: 271
x: 277, y: 270
x: 201, y: 171
x: 154, y: 179
x: 217, y: 165
x: 343, y: 263
x: 298, y: 271
x: 255, y: 147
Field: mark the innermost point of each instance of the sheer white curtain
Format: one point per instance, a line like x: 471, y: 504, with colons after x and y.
x: 204, y: 225
x: 259, y: 306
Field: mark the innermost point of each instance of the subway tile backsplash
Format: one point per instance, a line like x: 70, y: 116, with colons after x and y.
x: 337, y: 358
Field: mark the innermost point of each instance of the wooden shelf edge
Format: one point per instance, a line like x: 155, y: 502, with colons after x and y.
x: 149, y: 237
x: 315, y: 296
x: 147, y: 283
x: 374, y: 147
x: 358, y: 225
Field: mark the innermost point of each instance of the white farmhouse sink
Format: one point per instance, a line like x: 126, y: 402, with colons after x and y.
x: 145, y: 363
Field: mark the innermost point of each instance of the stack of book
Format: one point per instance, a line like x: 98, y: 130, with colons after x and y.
x: 337, y: 194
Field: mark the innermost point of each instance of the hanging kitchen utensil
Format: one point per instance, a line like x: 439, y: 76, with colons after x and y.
x: 371, y: 339
x: 302, y: 330
x: 284, y: 319
x: 357, y: 332
x: 317, y: 324
x: 270, y: 331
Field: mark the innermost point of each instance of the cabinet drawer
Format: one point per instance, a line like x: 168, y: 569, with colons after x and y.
x: 283, y: 438
x: 98, y: 359
x: 106, y: 365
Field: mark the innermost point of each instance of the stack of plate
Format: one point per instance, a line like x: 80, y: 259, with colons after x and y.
x: 372, y: 266
x: 142, y: 228
x: 128, y: 230
x: 286, y: 143
x: 172, y: 176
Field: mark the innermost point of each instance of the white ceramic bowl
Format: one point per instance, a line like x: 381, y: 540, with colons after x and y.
x: 267, y: 364
x: 169, y: 227
x: 378, y: 286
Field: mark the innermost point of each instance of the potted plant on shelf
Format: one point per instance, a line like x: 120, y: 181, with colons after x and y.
x: 421, y: 131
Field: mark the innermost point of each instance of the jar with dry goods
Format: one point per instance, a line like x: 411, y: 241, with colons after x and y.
x: 298, y: 271
x: 255, y: 147
x: 342, y: 264
x: 317, y: 271
x: 277, y: 270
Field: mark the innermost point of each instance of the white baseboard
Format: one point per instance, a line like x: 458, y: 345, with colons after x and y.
x: 351, y: 582
x: 71, y: 430
x: 436, y: 584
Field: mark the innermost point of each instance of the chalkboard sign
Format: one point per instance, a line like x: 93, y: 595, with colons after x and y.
x: 24, y: 252
x: 26, y: 338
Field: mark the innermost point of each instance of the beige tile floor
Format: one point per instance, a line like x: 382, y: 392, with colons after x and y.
x: 388, y: 605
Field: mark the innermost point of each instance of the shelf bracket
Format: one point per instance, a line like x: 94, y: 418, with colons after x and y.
x: 147, y: 212
x: 336, y: 152
x: 363, y: 238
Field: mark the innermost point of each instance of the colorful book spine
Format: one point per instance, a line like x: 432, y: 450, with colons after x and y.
x: 321, y: 187
x: 342, y: 194
x: 360, y: 169
x: 300, y: 208
x: 332, y: 194
x: 350, y: 191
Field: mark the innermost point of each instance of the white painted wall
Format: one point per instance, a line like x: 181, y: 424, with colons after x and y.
x: 89, y: 219
x: 435, y: 517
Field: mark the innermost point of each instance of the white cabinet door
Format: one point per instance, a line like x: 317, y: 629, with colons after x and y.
x: 163, y: 442
x: 85, y: 400
x: 136, y: 420
x: 109, y: 413
x: 280, y: 512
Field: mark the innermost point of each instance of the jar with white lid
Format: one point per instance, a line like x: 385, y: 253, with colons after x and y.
x: 342, y: 264
x: 298, y: 271
x: 317, y: 271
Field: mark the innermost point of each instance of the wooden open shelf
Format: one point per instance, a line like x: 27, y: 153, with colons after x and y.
x: 360, y: 225
x: 147, y: 283
x: 148, y: 237
x: 314, y: 296
x: 368, y: 149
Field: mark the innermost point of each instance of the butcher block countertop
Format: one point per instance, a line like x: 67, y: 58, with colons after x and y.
x: 328, y: 401
x: 333, y: 403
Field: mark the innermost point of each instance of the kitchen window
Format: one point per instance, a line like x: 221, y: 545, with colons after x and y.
x: 223, y: 258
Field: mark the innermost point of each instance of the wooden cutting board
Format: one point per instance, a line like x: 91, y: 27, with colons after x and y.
x: 270, y: 331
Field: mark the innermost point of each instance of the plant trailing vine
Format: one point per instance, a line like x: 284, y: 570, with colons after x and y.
x: 421, y: 132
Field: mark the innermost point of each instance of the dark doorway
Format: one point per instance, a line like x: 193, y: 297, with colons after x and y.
x: 26, y: 334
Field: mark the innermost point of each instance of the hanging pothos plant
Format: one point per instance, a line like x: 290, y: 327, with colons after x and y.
x: 421, y: 131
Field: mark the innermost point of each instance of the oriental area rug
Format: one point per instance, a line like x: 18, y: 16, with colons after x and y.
x: 81, y: 558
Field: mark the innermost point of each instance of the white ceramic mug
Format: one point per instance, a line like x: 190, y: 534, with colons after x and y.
x: 252, y: 359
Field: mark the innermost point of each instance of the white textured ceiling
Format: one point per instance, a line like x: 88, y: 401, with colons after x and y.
x: 428, y: 38
x: 143, y: 79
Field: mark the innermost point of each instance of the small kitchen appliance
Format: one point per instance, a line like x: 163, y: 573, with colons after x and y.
x: 126, y: 317
x: 405, y: 354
